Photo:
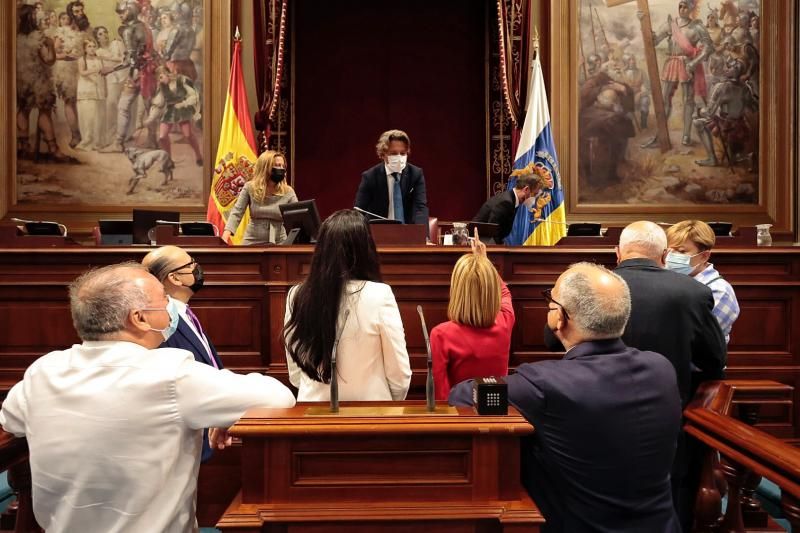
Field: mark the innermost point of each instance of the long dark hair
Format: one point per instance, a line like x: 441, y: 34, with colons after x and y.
x: 345, y: 251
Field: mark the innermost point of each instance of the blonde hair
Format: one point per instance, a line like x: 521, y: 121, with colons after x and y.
x: 388, y: 136
x: 474, y: 292
x: 695, y: 231
x: 261, y: 174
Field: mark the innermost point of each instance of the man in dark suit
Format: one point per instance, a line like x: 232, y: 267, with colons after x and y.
x: 394, y: 188
x: 501, y: 209
x: 182, y: 277
x: 671, y: 314
x: 606, y: 415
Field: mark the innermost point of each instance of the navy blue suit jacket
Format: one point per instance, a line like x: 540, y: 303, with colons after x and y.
x: 373, y: 193
x: 185, y: 338
x: 606, y: 420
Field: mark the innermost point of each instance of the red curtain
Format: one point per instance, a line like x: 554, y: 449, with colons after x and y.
x: 362, y: 67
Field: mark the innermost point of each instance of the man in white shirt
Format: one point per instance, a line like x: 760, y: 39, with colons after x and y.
x: 182, y: 277
x: 113, y: 424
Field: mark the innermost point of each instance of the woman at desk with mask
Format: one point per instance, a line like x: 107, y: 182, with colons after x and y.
x: 263, y: 194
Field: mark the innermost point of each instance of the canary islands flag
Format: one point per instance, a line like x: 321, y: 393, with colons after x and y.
x: 545, y: 222
x: 236, y: 154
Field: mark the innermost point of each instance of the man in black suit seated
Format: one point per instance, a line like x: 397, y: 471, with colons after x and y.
x: 606, y: 416
x: 394, y: 188
x: 501, y: 209
x: 182, y: 277
x: 671, y: 314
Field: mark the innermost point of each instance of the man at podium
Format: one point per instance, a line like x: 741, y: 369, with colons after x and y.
x: 501, y: 208
x: 394, y: 188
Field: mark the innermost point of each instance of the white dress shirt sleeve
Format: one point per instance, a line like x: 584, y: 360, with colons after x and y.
x: 208, y: 397
x: 393, y: 344
x: 14, y: 412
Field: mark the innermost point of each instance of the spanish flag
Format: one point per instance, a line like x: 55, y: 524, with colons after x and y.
x: 236, y: 154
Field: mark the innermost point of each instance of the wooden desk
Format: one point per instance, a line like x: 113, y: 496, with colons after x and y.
x: 242, y: 304
x: 449, y: 471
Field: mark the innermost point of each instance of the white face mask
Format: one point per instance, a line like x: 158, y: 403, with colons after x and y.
x: 396, y: 163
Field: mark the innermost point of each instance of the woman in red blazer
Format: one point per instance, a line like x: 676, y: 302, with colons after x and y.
x: 475, y: 342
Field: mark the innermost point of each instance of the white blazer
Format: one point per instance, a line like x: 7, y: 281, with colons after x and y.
x: 372, y: 361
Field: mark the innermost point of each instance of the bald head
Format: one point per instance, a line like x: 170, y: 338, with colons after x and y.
x: 101, y: 299
x: 161, y: 260
x: 642, y: 239
x: 597, y: 300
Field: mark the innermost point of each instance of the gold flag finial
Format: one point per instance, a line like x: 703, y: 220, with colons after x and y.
x: 236, y: 35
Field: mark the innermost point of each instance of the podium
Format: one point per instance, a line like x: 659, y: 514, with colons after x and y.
x: 169, y: 234
x: 13, y: 237
x: 399, y: 234
x: 380, y: 466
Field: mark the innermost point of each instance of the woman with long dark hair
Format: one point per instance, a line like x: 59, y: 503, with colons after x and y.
x: 372, y: 361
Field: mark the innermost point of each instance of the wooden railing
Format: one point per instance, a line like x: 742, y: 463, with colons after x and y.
x: 737, y: 456
x: 14, y: 459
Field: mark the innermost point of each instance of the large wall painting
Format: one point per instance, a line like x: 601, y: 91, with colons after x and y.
x: 109, y: 102
x: 697, y: 143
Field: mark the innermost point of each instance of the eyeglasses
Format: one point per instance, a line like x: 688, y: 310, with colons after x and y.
x: 548, y: 296
x: 191, y: 263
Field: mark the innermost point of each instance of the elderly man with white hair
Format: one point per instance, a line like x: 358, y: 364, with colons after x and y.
x: 114, y: 424
x: 671, y: 314
x: 607, y: 416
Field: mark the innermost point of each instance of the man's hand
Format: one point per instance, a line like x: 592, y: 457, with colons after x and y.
x: 218, y: 438
x: 478, y: 248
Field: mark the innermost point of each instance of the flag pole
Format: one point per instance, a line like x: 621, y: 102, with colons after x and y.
x: 535, y: 40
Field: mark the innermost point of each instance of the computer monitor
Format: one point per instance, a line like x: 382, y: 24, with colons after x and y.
x: 486, y: 231
x: 199, y: 229
x: 116, y: 231
x: 45, y: 229
x: 721, y: 229
x: 301, y: 220
x: 144, y: 221
x: 583, y: 229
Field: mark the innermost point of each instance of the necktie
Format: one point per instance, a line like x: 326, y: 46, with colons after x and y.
x: 397, y: 198
x: 199, y: 329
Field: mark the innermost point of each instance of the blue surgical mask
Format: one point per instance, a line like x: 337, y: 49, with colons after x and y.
x: 680, y: 263
x: 174, y: 316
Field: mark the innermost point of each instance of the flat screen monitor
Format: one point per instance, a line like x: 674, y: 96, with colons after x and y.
x: 486, y: 231
x: 301, y: 220
x: 144, y: 221
x: 116, y: 231
x: 721, y: 229
x: 48, y: 229
x: 583, y: 229
x: 198, y: 229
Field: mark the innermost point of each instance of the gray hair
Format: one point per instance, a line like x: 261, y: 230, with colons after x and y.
x: 644, y: 237
x: 392, y: 135
x: 101, y: 299
x: 596, y: 316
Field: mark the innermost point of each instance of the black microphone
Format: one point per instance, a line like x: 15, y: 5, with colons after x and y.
x: 334, y: 380
x: 430, y: 395
x: 370, y: 213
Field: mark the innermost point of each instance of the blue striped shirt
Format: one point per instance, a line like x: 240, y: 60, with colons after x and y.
x: 726, y: 307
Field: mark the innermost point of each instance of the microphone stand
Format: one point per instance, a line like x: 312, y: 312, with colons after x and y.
x: 370, y: 213
x: 334, y: 379
x: 430, y: 396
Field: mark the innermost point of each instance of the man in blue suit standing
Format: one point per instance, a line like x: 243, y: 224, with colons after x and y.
x: 182, y: 277
x: 394, y: 188
x: 606, y: 416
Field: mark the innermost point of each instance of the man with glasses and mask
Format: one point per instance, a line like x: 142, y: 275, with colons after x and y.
x: 606, y: 416
x: 114, y: 424
x: 182, y: 277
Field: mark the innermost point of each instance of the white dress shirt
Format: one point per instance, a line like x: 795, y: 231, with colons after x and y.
x: 372, y: 361
x: 115, y: 431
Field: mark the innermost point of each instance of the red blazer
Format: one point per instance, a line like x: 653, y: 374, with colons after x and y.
x: 462, y: 352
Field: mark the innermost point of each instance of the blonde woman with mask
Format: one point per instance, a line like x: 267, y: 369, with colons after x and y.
x: 263, y: 194
x: 475, y: 342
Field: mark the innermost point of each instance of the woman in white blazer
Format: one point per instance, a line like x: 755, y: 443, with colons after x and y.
x: 372, y: 361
